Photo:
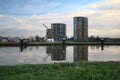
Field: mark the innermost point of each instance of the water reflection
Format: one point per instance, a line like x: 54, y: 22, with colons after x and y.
x: 22, y: 48
x: 57, y: 52
x: 80, y: 53
x: 102, y: 47
x: 37, y: 47
x: 97, y: 47
x: 61, y: 53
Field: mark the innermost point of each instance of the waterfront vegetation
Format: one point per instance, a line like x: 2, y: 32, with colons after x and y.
x: 59, y: 43
x: 62, y: 71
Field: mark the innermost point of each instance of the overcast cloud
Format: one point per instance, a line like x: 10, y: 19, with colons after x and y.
x: 25, y: 17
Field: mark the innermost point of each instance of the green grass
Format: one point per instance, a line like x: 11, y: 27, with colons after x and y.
x: 62, y: 71
x: 8, y: 44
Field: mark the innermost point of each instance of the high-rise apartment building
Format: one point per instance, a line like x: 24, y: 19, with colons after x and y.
x: 59, y: 31
x: 49, y: 34
x: 80, y: 29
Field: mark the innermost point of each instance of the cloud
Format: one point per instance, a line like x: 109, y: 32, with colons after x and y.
x: 104, y: 32
x: 1, y: 16
x: 116, y: 31
x: 13, y: 25
x: 104, y: 4
x: 112, y: 4
x: 98, y: 21
x: 95, y: 31
x: 2, y: 26
x: 103, y: 17
x: 24, y: 24
x: 27, y: 7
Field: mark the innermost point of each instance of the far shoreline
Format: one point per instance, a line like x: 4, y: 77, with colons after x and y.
x: 57, y: 43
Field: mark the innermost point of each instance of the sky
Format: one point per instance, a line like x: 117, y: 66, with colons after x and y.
x: 25, y: 17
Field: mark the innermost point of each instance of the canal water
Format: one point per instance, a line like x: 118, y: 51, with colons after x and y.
x: 51, y: 54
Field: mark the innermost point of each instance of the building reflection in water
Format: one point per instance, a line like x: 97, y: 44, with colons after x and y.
x: 22, y: 48
x: 80, y: 53
x: 58, y: 53
x: 97, y: 47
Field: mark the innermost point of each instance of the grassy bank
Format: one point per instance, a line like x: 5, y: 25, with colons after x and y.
x: 60, y: 43
x: 62, y: 71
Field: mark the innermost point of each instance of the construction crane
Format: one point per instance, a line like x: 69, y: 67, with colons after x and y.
x: 49, y: 34
x: 45, y: 26
x: 45, y: 58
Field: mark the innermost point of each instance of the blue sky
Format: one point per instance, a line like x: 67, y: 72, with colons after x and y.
x: 25, y: 17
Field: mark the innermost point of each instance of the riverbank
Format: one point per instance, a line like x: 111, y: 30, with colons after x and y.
x: 60, y: 43
x: 62, y: 71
